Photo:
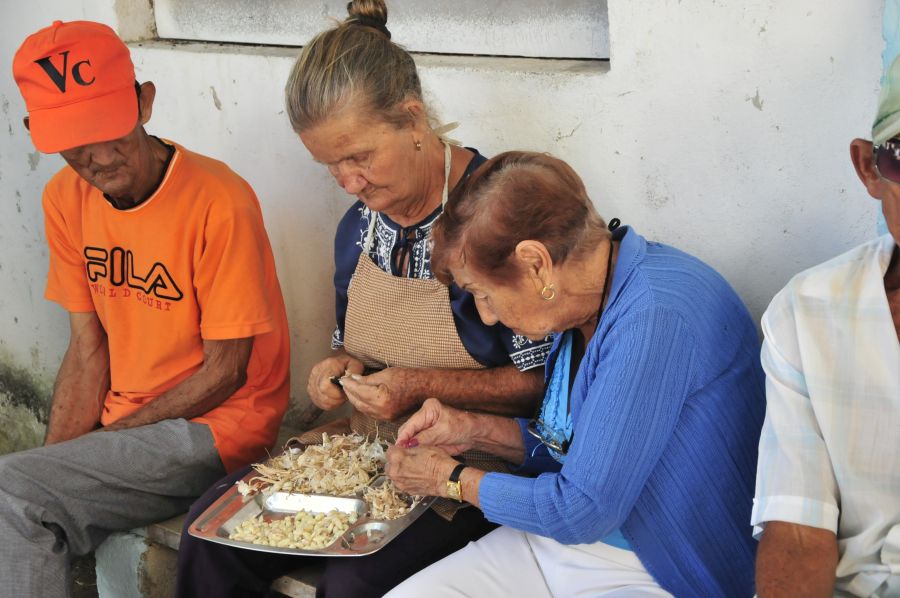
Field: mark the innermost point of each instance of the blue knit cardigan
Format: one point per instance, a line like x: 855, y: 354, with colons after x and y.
x: 667, y: 406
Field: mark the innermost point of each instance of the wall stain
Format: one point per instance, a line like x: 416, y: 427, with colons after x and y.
x: 756, y: 100
x: 657, y: 193
x: 4, y: 106
x: 21, y: 388
x: 560, y: 135
x: 35, y: 355
x: 33, y: 160
x: 19, y: 429
x: 215, y: 98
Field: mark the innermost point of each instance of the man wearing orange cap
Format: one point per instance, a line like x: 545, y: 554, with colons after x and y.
x: 177, y: 365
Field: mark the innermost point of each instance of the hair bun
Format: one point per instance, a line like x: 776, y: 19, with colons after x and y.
x: 369, y: 13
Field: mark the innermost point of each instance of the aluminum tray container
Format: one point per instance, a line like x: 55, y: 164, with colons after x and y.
x: 364, y: 537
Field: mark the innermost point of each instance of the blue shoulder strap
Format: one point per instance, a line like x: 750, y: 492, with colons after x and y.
x: 556, y: 418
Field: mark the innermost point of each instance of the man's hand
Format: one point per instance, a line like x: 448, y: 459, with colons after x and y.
x: 796, y: 560
x: 422, y: 471
x: 384, y: 395
x: 322, y: 391
x: 114, y: 427
x: 437, y: 425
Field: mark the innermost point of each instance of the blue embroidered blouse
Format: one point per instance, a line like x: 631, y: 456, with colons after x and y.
x: 491, y: 346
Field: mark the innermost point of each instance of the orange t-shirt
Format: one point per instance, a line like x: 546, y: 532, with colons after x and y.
x: 191, y: 263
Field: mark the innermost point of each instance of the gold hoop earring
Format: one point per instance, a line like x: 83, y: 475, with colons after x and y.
x: 548, y: 292
x: 418, y: 146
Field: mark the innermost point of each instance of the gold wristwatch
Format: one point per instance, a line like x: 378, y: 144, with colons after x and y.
x: 454, y: 488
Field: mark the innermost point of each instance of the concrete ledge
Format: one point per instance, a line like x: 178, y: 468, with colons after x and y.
x: 119, y: 566
x: 300, y: 583
x: 167, y: 533
x: 141, y: 564
x: 129, y: 566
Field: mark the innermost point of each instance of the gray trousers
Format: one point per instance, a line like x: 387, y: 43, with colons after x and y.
x: 63, y: 500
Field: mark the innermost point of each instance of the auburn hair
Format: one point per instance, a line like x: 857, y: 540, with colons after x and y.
x: 513, y: 197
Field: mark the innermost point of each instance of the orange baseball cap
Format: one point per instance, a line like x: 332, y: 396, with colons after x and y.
x: 77, y: 80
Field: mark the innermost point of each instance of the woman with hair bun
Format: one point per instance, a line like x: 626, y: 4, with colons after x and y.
x: 635, y: 477
x: 355, y: 100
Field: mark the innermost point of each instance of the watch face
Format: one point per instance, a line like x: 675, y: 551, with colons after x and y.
x: 454, y: 490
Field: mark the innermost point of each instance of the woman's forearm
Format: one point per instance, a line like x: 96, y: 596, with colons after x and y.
x: 470, y: 481
x: 497, y: 435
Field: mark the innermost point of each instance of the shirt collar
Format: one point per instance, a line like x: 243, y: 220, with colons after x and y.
x: 885, y: 252
x: 632, y: 248
x: 420, y: 228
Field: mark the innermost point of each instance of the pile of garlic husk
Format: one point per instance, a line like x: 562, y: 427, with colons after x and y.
x: 386, y: 502
x: 343, y: 465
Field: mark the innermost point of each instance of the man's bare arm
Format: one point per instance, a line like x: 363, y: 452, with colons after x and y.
x: 796, y: 560
x: 393, y: 392
x: 223, y: 372
x: 82, y: 381
x: 504, y: 390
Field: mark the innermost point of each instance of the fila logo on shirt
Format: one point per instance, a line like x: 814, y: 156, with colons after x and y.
x: 117, y: 266
x: 59, y: 76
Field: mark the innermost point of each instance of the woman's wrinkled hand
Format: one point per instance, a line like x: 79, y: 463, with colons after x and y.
x: 421, y: 471
x: 384, y: 395
x: 322, y: 391
x: 438, y: 425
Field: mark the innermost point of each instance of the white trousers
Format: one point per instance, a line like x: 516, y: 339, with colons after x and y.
x: 509, y: 562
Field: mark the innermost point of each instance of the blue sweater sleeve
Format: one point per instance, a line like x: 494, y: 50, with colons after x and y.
x: 632, y: 386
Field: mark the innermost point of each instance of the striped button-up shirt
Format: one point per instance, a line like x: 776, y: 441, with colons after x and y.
x: 829, y: 454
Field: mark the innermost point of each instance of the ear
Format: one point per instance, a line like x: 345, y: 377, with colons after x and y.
x: 535, y: 262
x: 145, y: 102
x: 864, y: 162
x: 417, y: 113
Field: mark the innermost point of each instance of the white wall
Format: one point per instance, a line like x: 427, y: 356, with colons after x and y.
x: 33, y: 333
x: 720, y: 127
x: 561, y: 28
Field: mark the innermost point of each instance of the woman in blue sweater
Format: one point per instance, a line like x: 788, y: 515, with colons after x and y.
x: 636, y: 476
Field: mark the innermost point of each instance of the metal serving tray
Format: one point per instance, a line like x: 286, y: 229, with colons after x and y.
x: 364, y: 537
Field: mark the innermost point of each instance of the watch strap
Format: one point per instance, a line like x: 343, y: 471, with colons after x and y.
x: 454, y: 475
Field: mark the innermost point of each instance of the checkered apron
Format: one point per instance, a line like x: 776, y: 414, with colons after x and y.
x: 395, y: 321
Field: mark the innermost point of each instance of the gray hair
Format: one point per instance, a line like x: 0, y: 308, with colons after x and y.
x: 354, y: 62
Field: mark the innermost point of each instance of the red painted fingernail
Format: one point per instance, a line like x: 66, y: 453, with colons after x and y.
x: 413, y: 443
